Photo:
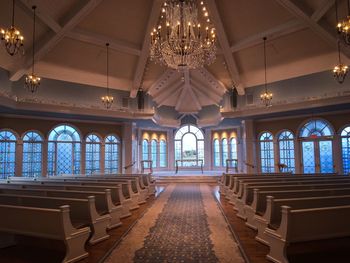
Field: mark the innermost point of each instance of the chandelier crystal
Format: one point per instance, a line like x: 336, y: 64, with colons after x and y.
x: 343, y: 27
x: 12, y: 37
x: 183, y: 38
x: 266, y: 97
x: 32, y: 81
x: 107, y: 100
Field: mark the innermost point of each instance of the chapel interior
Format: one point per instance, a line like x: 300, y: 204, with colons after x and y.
x: 155, y: 131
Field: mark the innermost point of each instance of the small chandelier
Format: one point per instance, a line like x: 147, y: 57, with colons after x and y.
x: 179, y: 40
x: 107, y: 100
x: 32, y: 81
x: 343, y: 27
x: 340, y: 70
x: 12, y: 37
x: 266, y: 97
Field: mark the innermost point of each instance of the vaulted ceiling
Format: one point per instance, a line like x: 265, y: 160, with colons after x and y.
x: 72, y: 36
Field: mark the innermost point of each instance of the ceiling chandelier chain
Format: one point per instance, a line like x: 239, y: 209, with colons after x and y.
x: 266, y: 97
x: 343, y: 27
x: 32, y: 81
x: 107, y: 100
x: 12, y: 37
x: 339, y: 71
x: 179, y: 40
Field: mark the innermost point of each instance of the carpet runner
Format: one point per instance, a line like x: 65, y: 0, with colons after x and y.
x: 184, y: 225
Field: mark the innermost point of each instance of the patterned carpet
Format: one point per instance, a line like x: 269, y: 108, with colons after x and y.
x: 184, y: 225
x: 181, y: 233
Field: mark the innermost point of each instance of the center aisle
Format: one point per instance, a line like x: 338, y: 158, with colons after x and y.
x: 183, y: 225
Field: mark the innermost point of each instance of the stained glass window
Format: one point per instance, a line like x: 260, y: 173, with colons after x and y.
x: 316, y: 128
x: 216, y: 153
x: 154, y: 153
x: 189, y: 144
x: 224, y: 152
x: 233, y: 148
x: 266, y: 153
x: 145, y: 153
x: 92, y: 154
x: 286, y: 151
x: 111, y: 154
x: 7, y: 153
x: 162, y: 154
x: 345, y: 143
x: 32, y: 154
x: 64, y: 151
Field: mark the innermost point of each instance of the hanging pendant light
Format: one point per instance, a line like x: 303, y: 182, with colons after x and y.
x: 343, y: 27
x: 12, y: 37
x: 266, y: 97
x: 107, y: 100
x: 341, y: 70
x: 32, y: 81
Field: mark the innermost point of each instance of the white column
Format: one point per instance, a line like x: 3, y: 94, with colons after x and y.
x: 298, y: 155
x: 171, y: 150
x: 83, y: 157
x: 102, y: 157
x: 19, y: 158
x: 127, y: 151
x: 45, y: 149
x: 249, y: 146
x: 207, y: 150
x: 337, y: 154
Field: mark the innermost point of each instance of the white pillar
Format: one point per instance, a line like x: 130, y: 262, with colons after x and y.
x: 127, y: 147
x: 249, y: 146
x: 19, y: 158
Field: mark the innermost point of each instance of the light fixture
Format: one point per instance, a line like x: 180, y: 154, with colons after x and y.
x: 343, y: 27
x: 12, y: 37
x: 341, y: 70
x: 32, y: 81
x: 179, y: 40
x: 107, y: 100
x: 266, y: 97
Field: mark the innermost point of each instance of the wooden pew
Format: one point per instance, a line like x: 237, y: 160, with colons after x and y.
x: 248, y: 194
x: 262, y: 214
x: 310, y: 224
x: 46, y: 223
x: 103, y: 199
x: 82, y: 211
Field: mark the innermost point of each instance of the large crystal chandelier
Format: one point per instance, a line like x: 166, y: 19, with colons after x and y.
x: 343, y: 27
x: 32, y: 81
x: 107, y: 100
x: 183, y: 38
x: 12, y: 37
x: 266, y: 97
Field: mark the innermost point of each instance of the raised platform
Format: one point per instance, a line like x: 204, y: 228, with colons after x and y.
x: 189, y: 176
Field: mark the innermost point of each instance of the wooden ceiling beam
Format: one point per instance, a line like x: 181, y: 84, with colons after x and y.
x: 75, y: 19
x: 142, y: 62
x: 221, y: 35
x: 282, y: 29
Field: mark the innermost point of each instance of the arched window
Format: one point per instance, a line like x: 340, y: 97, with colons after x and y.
x: 266, y: 153
x: 233, y: 148
x: 345, y: 144
x: 64, y: 151
x: 92, y: 154
x: 162, y: 154
x: 7, y: 153
x: 111, y: 154
x: 189, y: 145
x: 286, y: 150
x: 224, y: 152
x: 145, y: 155
x: 216, y: 153
x: 32, y: 154
x: 317, y: 147
x: 154, y: 153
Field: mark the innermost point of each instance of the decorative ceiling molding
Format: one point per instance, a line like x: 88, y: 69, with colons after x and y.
x: 142, y: 62
x: 165, y: 93
x: 313, y: 25
x: 18, y: 72
x: 163, y: 81
x: 221, y: 34
x: 205, y: 90
x: 210, y: 80
x: 282, y: 30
